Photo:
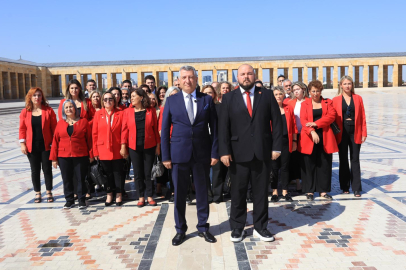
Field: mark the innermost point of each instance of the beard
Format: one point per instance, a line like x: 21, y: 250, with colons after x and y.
x: 247, y: 86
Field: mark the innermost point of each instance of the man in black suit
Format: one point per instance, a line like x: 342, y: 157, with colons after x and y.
x: 246, y: 145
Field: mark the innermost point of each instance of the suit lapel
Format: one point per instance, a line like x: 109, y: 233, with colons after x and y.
x: 182, y: 106
x: 257, y: 99
x: 42, y: 117
x: 240, y: 101
x: 115, y: 119
x: 200, y: 100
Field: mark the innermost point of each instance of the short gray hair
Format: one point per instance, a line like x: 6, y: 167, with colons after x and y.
x: 188, y: 68
x: 168, y: 93
x: 287, y: 80
x: 74, y: 106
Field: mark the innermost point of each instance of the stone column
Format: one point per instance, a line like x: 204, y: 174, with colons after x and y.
x: 351, y: 71
x: 400, y: 75
x: 290, y: 73
x: 300, y: 74
x: 170, y: 78
x: 395, y: 75
x: 70, y: 77
x: 371, y: 76
x: 34, y: 80
x: 21, y: 91
x: 356, y: 77
x: 365, y: 74
x: 27, y: 82
x: 385, y: 76
x: 140, y: 78
x: 342, y: 72
x: 125, y: 76
x: 260, y: 75
x: 214, y: 79
x: 320, y: 76
x: 328, y: 76
x: 335, y: 77
x: 200, y: 78
x: 63, y: 83
x: 7, y: 86
x: 305, y: 75
x: 314, y: 73
x: 113, y: 80
x: 380, y: 75
x: 109, y: 80
x: 286, y: 73
x: 79, y: 78
x: 275, y: 76
x: 94, y: 77
x: 14, y: 85
x: 99, y: 81
x: 84, y: 81
x: 1, y: 85
x: 230, y: 75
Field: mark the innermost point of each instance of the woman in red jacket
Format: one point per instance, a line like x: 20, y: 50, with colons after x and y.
x: 352, y: 123
x: 317, y: 142
x: 289, y: 144
x: 140, y: 134
x: 74, y: 92
x: 71, y: 150
x: 37, y: 126
x: 107, y: 145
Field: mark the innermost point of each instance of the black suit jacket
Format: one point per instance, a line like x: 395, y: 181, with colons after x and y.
x: 244, y: 137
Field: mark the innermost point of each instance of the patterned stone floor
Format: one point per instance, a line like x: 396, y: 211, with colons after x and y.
x: 346, y: 233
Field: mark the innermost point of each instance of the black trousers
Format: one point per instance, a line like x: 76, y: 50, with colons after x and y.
x: 294, y: 164
x: 256, y: 171
x: 349, y: 176
x: 114, y: 171
x: 219, y: 174
x: 316, y: 170
x: 282, y: 163
x: 37, y: 159
x: 74, y: 169
x: 143, y: 160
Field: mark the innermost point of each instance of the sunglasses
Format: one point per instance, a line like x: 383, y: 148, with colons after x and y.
x: 108, y: 99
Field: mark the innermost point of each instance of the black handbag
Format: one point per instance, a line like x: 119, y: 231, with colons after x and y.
x: 335, y: 128
x: 97, y: 174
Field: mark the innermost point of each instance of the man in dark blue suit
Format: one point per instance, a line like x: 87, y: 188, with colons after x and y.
x: 190, y: 149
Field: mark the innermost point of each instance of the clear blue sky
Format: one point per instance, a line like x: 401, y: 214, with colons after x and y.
x: 62, y: 31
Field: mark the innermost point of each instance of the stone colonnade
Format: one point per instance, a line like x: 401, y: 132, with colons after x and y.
x: 15, y: 79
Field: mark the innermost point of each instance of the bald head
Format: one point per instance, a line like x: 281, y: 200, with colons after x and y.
x: 246, y: 76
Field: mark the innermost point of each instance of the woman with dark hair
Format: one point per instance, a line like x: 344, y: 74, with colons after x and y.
x: 209, y: 90
x: 161, y: 94
x: 289, y: 144
x: 317, y: 142
x: 117, y: 95
x: 300, y: 94
x: 37, y: 127
x: 74, y: 92
x: 140, y: 135
x: 222, y: 89
x: 352, y: 123
x: 107, y: 145
x: 72, y: 151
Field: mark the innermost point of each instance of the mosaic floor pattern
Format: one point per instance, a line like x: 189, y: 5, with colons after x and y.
x: 347, y: 233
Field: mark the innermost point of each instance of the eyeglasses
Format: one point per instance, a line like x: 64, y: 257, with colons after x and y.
x: 108, y: 99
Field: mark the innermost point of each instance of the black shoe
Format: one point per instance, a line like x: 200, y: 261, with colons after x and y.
x: 327, y: 196
x: 208, y: 237
x: 237, y: 235
x: 119, y: 203
x: 75, y: 197
x: 172, y: 198
x: 88, y: 198
x: 108, y: 203
x: 310, y: 197
x: 68, y: 205
x: 274, y: 198
x: 178, y: 239
x: 82, y: 205
x: 357, y: 194
x: 188, y: 200
x: 288, y: 198
x: 264, y: 235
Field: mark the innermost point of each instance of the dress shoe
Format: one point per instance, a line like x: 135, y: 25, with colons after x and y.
x: 141, y: 204
x: 152, y: 203
x: 264, y: 235
x: 274, y: 198
x: 287, y: 198
x: 327, y: 196
x: 310, y: 197
x: 178, y: 239
x: 237, y: 235
x: 119, y: 203
x: 249, y: 198
x: 357, y: 194
x: 208, y: 237
x: 188, y: 200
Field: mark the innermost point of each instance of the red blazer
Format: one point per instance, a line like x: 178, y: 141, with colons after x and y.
x: 122, y: 107
x: 360, y: 128
x: 78, y: 145
x: 48, y: 120
x: 292, y: 102
x: 83, y: 113
x: 161, y: 115
x: 328, y: 116
x: 100, y: 135
x: 290, y: 123
x: 286, y: 101
x: 129, y: 129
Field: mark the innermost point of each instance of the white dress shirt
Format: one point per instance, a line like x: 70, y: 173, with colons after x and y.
x: 186, y: 99
x: 252, y: 90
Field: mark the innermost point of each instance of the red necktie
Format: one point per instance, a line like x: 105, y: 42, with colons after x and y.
x: 249, y: 107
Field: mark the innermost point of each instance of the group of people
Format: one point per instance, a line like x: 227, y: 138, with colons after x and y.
x: 248, y: 133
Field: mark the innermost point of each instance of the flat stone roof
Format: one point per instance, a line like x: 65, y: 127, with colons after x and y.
x: 207, y: 60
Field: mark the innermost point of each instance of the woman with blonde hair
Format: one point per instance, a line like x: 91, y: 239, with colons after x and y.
x: 351, y: 120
